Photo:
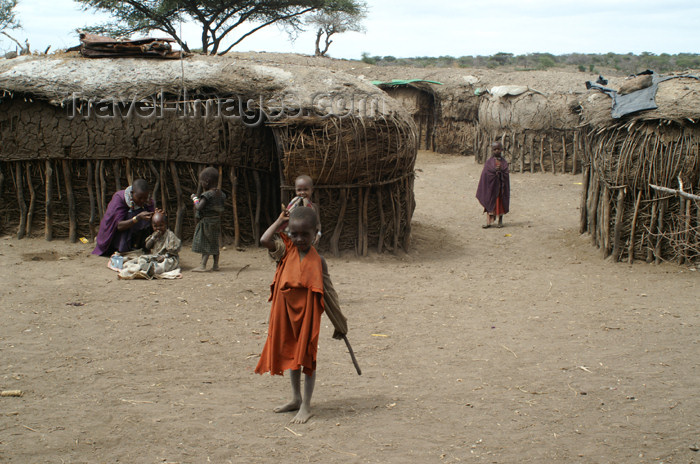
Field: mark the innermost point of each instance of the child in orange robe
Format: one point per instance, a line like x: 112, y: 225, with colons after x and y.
x: 297, y: 304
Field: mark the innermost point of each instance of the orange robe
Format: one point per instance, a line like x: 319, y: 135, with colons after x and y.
x: 295, y: 315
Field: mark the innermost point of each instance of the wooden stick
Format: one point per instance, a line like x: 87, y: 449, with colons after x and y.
x: 652, y: 228
x: 48, y: 202
x: 382, y: 225
x: 339, y: 225
x: 156, y: 185
x: 619, y: 211
x: 584, y: 197
x: 551, y: 154
x: 234, y: 200
x: 180, y: 217
x: 365, y: 220
x: 660, y: 230
x: 563, y: 156
x: 678, y: 193
x: 532, y: 153
x: 91, y: 199
x: 521, y: 152
x: 32, y: 197
x: 163, y: 187
x: 630, y: 249
x: 103, y: 187
x: 606, y: 222
x: 410, y: 206
x: 258, y: 202
x: 117, y: 169
x: 73, y: 228
x: 542, y: 154
x: 21, y: 230
x: 574, y: 148
x: 129, y: 176
x: 682, y: 235
x: 352, y: 355
x: 592, y: 205
x: 249, y: 202
x: 397, y: 222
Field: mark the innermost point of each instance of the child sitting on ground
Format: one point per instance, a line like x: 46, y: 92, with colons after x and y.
x: 208, y: 208
x: 298, y: 298
x: 162, y: 246
x: 304, y: 189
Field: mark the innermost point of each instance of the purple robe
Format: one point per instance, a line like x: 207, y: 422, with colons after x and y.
x: 494, y: 183
x: 109, y: 238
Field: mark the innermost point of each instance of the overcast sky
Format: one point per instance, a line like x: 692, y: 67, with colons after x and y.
x: 409, y: 28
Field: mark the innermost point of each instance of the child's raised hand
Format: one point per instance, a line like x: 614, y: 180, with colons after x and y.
x: 284, y: 215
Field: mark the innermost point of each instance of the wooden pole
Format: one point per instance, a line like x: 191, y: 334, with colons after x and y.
x: 360, y: 223
x: 21, y: 230
x: 551, y: 154
x: 382, y: 219
x: 258, y: 202
x: 91, y: 199
x: 652, y: 228
x: 630, y: 249
x: 335, y: 238
x: 563, y: 156
x: 156, y: 185
x: 521, y: 152
x: 70, y: 196
x: 592, y: 205
x: 32, y: 197
x: 103, y: 187
x: 48, y: 203
x: 532, y: 153
x: 365, y: 220
x: 180, y: 216
x: 129, y: 176
x: 542, y: 154
x: 681, y: 236
x: 117, y: 169
x: 163, y: 187
x: 397, y: 222
x: 574, y: 148
x: 660, y: 230
x: 234, y: 200
x: 584, y: 197
x: 606, y: 222
x: 617, y: 231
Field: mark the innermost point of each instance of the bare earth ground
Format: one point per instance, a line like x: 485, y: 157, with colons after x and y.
x: 505, y: 345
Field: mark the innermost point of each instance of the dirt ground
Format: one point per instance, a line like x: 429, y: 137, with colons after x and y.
x: 513, y: 345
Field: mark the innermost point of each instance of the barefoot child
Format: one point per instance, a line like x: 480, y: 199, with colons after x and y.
x: 208, y: 208
x: 162, y: 248
x: 304, y: 189
x: 297, y: 303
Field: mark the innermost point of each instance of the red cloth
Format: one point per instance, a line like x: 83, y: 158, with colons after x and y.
x: 295, y: 315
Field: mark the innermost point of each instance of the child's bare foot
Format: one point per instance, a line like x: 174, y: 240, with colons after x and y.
x: 291, y: 406
x: 200, y: 269
x: 215, y: 267
x: 302, y: 416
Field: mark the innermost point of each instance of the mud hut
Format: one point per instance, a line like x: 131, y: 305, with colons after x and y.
x: 420, y: 100
x: 539, y: 130
x: 641, y: 179
x: 74, y: 130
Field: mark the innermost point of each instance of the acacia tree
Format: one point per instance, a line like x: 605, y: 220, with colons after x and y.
x: 218, y: 18
x: 336, y: 21
x: 8, y: 19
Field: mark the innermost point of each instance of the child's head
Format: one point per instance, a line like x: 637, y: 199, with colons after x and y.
x: 209, y: 178
x: 304, y: 186
x: 302, y: 227
x: 159, y: 222
x: 497, y: 149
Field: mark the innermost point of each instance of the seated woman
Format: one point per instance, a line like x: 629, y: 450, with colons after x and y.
x: 127, y: 221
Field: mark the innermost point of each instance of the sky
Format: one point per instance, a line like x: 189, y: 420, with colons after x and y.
x: 409, y: 28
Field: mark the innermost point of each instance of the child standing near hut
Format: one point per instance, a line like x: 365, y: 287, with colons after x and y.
x: 494, y: 187
x: 297, y: 303
x: 304, y: 189
x: 208, y: 208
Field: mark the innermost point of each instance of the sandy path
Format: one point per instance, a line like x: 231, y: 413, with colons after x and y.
x: 475, y: 347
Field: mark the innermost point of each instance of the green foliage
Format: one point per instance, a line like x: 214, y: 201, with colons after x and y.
x: 368, y: 59
x: 218, y: 19
x: 338, y: 17
x: 625, y: 63
x: 8, y: 18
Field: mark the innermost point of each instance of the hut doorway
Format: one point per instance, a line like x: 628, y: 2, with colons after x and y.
x: 421, y: 102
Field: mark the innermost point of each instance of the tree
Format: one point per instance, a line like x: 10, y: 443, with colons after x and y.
x: 343, y: 16
x: 8, y: 20
x: 218, y: 18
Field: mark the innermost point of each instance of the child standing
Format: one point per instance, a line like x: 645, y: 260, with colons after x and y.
x: 208, y: 208
x: 297, y: 303
x: 304, y: 189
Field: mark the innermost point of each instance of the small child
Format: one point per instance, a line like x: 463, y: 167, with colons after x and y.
x: 298, y: 299
x: 163, y: 249
x: 304, y: 188
x: 208, y: 208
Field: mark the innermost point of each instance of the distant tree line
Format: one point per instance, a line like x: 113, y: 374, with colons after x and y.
x: 585, y: 62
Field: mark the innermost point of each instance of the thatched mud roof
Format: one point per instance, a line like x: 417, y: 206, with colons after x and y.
x: 56, y: 78
x: 678, y: 100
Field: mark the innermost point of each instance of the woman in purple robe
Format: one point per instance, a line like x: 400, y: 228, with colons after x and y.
x: 494, y: 187
x: 127, y: 221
